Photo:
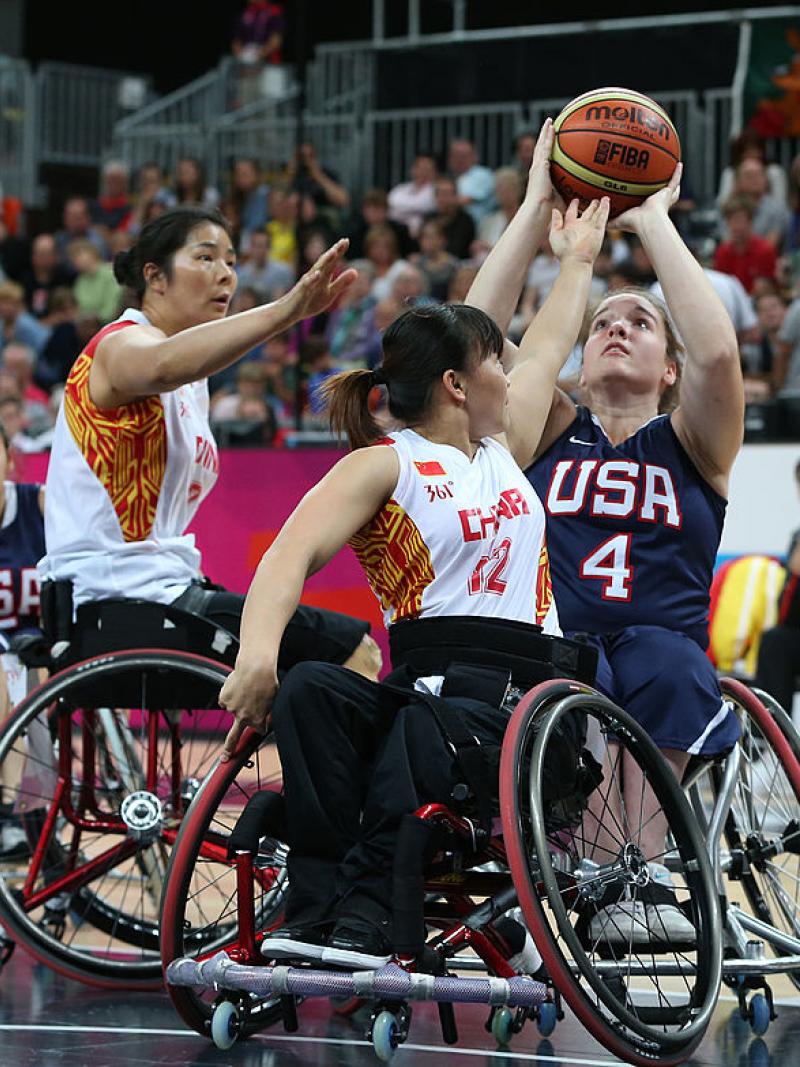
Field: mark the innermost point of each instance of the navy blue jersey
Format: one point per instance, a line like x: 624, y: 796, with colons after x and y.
x: 21, y: 548
x: 632, y: 529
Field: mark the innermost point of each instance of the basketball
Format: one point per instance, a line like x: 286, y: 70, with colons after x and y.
x: 613, y: 142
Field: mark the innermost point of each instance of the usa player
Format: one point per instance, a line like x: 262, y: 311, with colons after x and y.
x: 635, y: 496
x: 21, y: 547
x: 133, y: 456
x: 445, y: 525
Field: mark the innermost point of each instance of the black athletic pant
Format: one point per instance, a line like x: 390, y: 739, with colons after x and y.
x: 356, y: 757
x: 311, y: 633
x: 779, y: 664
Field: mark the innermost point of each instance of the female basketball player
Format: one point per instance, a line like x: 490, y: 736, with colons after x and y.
x: 444, y: 524
x: 635, y: 499
x: 133, y: 456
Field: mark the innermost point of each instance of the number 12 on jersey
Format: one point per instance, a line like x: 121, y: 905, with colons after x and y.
x: 488, y: 574
x: 610, y: 562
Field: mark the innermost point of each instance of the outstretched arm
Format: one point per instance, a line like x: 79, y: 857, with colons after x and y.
x: 536, y: 406
x: 498, y: 285
x: 322, y: 523
x: 709, y: 421
x: 135, y: 363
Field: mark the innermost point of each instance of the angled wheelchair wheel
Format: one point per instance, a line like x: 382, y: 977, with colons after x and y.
x: 581, y: 845
x: 762, y: 830
x: 100, y: 764
x: 214, y: 901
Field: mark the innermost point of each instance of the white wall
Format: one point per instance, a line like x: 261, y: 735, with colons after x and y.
x: 763, y: 508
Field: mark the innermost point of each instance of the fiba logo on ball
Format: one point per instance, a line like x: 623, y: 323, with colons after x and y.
x: 613, y: 142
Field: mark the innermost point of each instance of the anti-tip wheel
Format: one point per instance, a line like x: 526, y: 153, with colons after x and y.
x: 385, y: 1036
x: 225, y: 1024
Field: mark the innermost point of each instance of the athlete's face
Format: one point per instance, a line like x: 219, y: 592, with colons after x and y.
x: 626, y: 348
x: 486, y: 391
x: 203, y: 279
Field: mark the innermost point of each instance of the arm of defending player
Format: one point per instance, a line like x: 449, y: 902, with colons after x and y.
x: 322, y: 523
x: 538, y: 411
x: 710, y: 419
x: 138, y: 362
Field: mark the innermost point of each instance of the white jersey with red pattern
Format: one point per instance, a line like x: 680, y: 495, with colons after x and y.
x: 458, y: 537
x: 122, y: 486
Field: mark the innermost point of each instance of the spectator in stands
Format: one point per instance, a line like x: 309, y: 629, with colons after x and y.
x: 14, y: 255
x: 250, y: 384
x: 189, y: 183
x: 69, y: 332
x: 380, y: 246
x: 306, y: 175
x: 410, y: 288
x: 744, y: 255
x: 313, y: 227
x: 508, y: 190
x: 786, y: 367
x: 282, y: 225
x: 410, y: 202
x: 319, y: 364
x: 351, y: 332
x: 771, y: 216
x: 77, y: 225
x: 456, y: 223
x: 96, y: 289
x: 779, y: 654
x: 759, y: 358
x: 46, y: 274
x: 19, y: 361
x: 113, y: 208
x: 375, y: 212
x: 524, y: 144
x: 249, y: 195
x: 434, y: 260
x: 17, y: 324
x: 257, y: 42
x: 259, y: 271
x: 460, y: 283
x: 748, y: 145
x: 793, y: 235
x: 474, y: 182
x: 151, y: 191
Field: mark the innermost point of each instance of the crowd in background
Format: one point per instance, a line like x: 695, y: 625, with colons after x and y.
x: 419, y: 242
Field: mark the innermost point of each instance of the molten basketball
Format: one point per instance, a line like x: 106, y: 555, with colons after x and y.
x: 613, y: 142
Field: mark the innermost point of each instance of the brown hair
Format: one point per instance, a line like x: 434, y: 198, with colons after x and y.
x: 675, y: 352
x: 737, y: 203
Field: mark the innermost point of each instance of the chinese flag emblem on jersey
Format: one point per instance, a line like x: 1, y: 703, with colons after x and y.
x: 429, y: 468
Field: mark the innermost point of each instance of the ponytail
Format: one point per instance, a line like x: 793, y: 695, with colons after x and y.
x: 347, y: 397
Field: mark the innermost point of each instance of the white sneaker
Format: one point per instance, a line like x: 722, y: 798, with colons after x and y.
x: 652, y: 918
x: 13, y: 842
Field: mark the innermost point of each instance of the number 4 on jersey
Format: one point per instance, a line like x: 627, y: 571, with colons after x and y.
x: 610, y: 562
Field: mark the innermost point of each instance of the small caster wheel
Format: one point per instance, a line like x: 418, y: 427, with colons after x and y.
x: 225, y: 1024
x: 385, y: 1036
x: 546, y: 1018
x: 502, y: 1026
x: 758, y: 1014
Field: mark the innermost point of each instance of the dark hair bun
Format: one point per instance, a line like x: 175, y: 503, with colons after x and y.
x: 123, y: 268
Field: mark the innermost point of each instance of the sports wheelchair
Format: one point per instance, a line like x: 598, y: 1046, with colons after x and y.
x: 100, y: 763
x: 736, y: 820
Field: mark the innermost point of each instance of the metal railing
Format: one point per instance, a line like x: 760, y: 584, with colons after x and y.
x: 17, y: 129
x: 393, y: 138
x: 78, y: 109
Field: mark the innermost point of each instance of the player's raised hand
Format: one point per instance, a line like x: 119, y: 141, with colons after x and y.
x: 658, y: 203
x: 540, y: 187
x: 320, y: 286
x: 579, y: 235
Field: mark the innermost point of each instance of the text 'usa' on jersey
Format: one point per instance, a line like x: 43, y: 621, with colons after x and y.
x: 632, y: 529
